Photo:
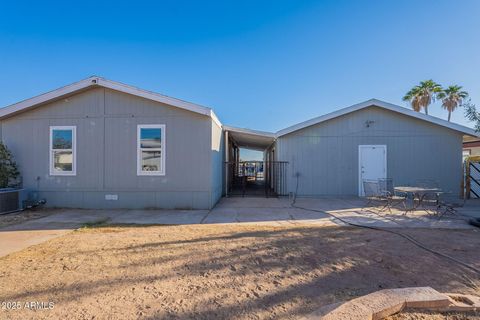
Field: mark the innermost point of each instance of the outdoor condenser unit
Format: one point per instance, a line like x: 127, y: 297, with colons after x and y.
x: 11, y: 200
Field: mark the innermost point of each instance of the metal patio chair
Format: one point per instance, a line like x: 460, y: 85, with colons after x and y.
x: 372, y: 193
x: 387, y: 192
x: 448, y: 204
x: 429, y: 200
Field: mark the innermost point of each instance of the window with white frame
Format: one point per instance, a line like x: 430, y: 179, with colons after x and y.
x: 151, y: 149
x: 63, y: 150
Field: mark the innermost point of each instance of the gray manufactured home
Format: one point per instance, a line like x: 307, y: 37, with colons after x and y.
x: 331, y: 155
x: 372, y: 142
x: 102, y: 144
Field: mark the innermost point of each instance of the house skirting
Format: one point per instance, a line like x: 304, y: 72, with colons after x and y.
x: 127, y: 199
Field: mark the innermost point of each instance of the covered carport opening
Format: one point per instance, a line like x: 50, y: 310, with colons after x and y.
x: 265, y: 178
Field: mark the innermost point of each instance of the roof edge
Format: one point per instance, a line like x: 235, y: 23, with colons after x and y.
x: 118, y: 86
x: 105, y: 83
x: 215, y: 118
x: 47, y: 96
x: 102, y: 82
x: 381, y: 104
x: 250, y: 131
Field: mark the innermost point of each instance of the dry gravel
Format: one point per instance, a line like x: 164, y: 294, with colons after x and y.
x: 224, y: 271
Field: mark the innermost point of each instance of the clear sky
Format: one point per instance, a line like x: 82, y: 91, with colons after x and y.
x: 260, y: 64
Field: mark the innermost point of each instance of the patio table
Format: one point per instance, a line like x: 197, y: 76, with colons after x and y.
x: 418, y: 193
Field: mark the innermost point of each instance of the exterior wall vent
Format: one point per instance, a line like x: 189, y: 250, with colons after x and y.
x: 111, y: 197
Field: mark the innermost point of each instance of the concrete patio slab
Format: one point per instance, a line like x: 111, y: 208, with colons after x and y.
x: 158, y: 217
x: 252, y: 202
x: 271, y: 211
x: 352, y: 211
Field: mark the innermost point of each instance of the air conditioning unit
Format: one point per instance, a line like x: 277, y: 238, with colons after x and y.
x: 11, y: 200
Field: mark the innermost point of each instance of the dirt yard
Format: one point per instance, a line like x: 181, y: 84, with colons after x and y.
x: 19, y: 217
x: 223, y: 271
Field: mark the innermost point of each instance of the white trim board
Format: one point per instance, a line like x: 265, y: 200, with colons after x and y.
x: 102, y: 82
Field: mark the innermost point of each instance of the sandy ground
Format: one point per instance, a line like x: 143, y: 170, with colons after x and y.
x: 223, y: 271
x: 19, y: 217
x: 435, y: 316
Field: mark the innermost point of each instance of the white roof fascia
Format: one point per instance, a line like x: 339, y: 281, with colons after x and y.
x: 215, y: 118
x: 381, y: 104
x: 51, y: 95
x: 98, y: 81
x: 250, y: 131
x: 153, y: 96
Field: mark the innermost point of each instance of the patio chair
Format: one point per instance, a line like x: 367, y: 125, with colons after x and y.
x: 429, y: 199
x: 448, y: 203
x: 387, y: 191
x: 372, y: 192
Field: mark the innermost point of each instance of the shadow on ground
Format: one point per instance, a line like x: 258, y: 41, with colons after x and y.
x: 227, y: 271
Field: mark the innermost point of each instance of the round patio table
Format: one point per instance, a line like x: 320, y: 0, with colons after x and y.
x: 418, y: 193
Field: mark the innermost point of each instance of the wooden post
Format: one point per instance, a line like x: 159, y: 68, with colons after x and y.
x: 467, y: 179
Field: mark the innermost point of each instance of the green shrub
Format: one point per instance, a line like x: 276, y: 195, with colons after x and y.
x: 8, y: 168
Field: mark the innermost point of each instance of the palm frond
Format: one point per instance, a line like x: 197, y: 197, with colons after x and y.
x: 422, y: 95
x: 472, y: 114
x: 452, y: 97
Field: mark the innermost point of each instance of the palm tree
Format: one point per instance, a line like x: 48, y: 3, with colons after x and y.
x: 422, y: 95
x: 452, y: 97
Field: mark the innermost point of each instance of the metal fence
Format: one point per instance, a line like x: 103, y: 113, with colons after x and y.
x: 472, y: 177
x: 256, y: 178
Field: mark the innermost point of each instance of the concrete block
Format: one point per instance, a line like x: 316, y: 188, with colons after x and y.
x: 383, y: 303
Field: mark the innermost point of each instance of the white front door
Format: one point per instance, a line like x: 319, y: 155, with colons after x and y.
x: 372, y: 164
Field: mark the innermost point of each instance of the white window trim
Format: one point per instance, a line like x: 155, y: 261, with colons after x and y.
x: 54, y: 172
x: 140, y: 172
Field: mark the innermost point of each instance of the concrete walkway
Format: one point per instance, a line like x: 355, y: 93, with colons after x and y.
x: 258, y: 211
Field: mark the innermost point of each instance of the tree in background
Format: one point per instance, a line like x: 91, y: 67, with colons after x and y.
x: 472, y: 114
x: 452, y: 97
x: 423, y: 95
x: 8, y: 168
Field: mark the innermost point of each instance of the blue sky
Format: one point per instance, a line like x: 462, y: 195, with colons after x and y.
x: 260, y: 64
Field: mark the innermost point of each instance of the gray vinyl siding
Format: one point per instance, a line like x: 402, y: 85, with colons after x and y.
x: 106, y: 122
x: 326, y: 155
